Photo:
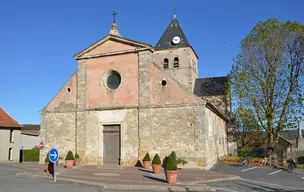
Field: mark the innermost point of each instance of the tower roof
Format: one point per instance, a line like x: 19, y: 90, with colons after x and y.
x: 166, y: 41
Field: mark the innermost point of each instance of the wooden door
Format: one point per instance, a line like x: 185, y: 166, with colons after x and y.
x: 111, y: 144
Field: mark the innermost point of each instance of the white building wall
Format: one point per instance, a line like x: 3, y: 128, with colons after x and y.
x: 6, y: 145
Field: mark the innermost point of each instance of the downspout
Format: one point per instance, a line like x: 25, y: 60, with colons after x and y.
x: 138, y: 98
x: 76, y: 109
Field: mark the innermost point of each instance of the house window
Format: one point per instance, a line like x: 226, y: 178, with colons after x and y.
x: 10, y: 154
x: 11, y: 136
x: 166, y: 63
x: 176, y: 62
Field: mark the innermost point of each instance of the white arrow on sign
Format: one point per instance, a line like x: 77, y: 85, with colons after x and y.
x: 54, y: 155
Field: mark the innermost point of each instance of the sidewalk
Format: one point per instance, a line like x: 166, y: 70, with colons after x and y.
x: 135, y: 178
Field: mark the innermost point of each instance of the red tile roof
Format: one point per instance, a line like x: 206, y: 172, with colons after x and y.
x: 30, y: 132
x: 6, y: 120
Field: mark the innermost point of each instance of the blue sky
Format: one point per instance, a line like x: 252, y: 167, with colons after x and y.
x: 39, y: 38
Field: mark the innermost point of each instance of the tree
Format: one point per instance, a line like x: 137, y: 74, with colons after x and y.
x: 247, y: 129
x: 267, y: 76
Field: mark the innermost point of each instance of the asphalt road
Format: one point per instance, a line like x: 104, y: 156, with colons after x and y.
x: 259, y: 179
x: 10, y: 182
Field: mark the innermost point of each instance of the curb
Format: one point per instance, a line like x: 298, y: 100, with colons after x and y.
x: 180, y: 188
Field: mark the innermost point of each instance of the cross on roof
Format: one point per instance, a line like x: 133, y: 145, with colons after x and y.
x: 114, y: 15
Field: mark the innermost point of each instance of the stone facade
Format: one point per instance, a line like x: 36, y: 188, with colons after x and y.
x: 187, y: 71
x: 155, y: 107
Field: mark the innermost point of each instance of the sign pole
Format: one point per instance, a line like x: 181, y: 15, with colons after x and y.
x: 54, y: 172
x: 54, y: 155
x: 22, y: 154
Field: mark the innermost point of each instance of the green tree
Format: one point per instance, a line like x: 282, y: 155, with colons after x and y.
x: 247, y: 129
x: 267, y: 76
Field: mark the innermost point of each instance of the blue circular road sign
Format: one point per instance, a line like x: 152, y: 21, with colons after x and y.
x: 54, y: 155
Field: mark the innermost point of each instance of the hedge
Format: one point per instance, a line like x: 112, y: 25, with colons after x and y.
x: 31, y: 155
x: 300, y: 160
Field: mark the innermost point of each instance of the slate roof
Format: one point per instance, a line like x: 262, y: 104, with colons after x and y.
x: 291, y: 134
x: 7, y: 121
x: 173, y: 29
x: 210, y: 86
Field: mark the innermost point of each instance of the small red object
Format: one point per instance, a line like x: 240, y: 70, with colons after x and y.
x: 41, y: 145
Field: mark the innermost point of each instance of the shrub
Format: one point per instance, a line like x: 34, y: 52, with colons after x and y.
x: 156, y: 160
x: 233, y: 159
x: 170, y: 164
x: 76, y: 156
x: 31, y: 155
x: 47, y: 159
x: 300, y: 160
x: 173, y: 155
x: 36, y: 147
x: 257, y: 160
x: 69, y: 156
x: 147, y: 157
x: 177, y: 160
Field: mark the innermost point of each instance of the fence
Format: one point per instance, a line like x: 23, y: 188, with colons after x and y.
x: 294, y: 153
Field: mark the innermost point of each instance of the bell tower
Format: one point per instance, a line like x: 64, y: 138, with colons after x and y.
x: 175, y: 55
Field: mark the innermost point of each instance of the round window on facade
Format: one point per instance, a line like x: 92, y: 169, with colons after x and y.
x: 113, y: 80
x: 163, y: 82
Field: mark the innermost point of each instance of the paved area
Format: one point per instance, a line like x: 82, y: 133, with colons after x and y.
x: 128, y: 178
x: 258, y: 179
x: 9, y: 182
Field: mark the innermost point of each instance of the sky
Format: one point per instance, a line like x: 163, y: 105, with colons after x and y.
x: 38, y: 39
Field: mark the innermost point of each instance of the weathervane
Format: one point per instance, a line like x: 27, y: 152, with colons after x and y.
x: 174, y: 11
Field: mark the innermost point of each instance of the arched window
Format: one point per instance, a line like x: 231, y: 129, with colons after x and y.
x: 176, y: 63
x: 166, y: 63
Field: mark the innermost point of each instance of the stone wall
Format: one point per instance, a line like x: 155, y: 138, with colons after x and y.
x: 127, y: 119
x: 216, y: 142
x: 66, y: 97
x: 179, y: 129
x: 223, y: 105
x: 218, y: 101
x: 58, y: 130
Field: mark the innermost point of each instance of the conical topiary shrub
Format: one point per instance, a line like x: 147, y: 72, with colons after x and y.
x: 171, y: 170
x: 177, y: 160
x: 156, y: 164
x: 77, y: 159
x: 147, y: 161
x: 69, y: 160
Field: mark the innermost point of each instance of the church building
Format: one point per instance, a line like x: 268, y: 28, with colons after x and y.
x: 128, y: 98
